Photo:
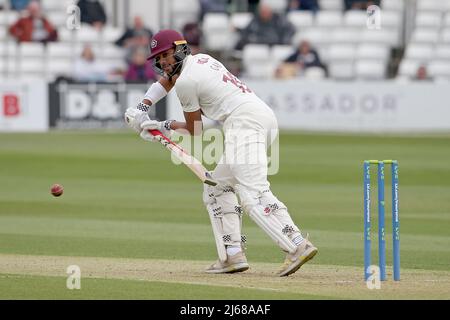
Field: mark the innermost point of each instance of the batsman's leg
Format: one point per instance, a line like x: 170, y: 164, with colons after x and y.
x: 225, y: 214
x: 270, y: 214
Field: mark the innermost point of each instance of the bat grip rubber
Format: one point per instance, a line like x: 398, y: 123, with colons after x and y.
x: 155, y: 132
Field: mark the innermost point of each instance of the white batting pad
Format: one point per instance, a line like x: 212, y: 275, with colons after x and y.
x: 225, y: 214
x: 264, y: 218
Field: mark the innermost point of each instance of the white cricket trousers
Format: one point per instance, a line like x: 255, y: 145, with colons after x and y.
x: 249, y: 131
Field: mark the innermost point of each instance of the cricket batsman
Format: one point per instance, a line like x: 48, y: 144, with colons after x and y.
x: 205, y: 87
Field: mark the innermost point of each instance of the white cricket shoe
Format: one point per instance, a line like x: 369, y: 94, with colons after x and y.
x: 234, y: 263
x: 305, y: 252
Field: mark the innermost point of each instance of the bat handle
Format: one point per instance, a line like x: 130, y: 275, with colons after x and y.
x: 155, y: 132
x: 161, y: 136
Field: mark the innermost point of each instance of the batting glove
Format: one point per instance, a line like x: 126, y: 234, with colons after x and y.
x: 162, y: 126
x: 135, y: 116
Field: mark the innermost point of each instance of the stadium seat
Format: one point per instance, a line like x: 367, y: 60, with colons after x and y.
x: 3, y: 33
x: 341, y: 70
x: 7, y: 18
x: 323, y: 51
x: 240, y: 20
x: 442, y: 52
x: 355, y: 18
x: 87, y: 34
x: 56, y: 5
x: 96, y: 48
x: 425, y: 35
x: 440, y: 79
x: 59, y: 67
x: 12, y: 66
x: 60, y: 49
x: 276, y: 5
x: 279, y: 53
x: 256, y: 59
x: 33, y: 75
x: 111, y: 51
x: 336, y: 5
x: 389, y: 5
x: 446, y: 22
x: 114, y: 64
x: 402, y: 79
x: 316, y: 36
x: 191, y: 6
x: 8, y: 68
x: 328, y: 19
x: 314, y: 73
x: 428, y: 19
x: 391, y: 19
x: 110, y: 34
x: 372, y: 51
x: 408, y: 67
x: 31, y: 49
x: 341, y: 52
x: 184, y: 12
x: 66, y: 35
x: 382, y: 36
x: 301, y: 19
x: 217, y: 31
x: 430, y: 5
x: 421, y: 52
x: 8, y: 49
x: 256, y: 52
x: 346, y: 35
x: 439, y: 69
x: 370, y: 70
x: 57, y: 18
x: 260, y: 71
x: 445, y: 35
x: 31, y: 66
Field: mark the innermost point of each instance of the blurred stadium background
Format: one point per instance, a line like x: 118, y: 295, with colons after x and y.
x: 346, y: 62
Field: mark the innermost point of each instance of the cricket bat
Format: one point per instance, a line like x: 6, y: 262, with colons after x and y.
x: 188, y: 160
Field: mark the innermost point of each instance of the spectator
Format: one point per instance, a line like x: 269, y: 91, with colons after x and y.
x: 304, y: 57
x: 88, y: 68
x: 212, y: 6
x: 92, y: 12
x: 193, y: 34
x: 266, y: 27
x: 139, y: 70
x: 34, y: 26
x: 311, y: 5
x: 422, y: 74
x: 360, y: 4
x: 134, y: 38
x: 19, y: 5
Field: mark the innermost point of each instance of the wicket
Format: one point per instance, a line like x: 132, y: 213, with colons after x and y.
x: 381, y: 228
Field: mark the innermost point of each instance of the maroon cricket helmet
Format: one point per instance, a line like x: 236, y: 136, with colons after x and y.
x: 164, y: 40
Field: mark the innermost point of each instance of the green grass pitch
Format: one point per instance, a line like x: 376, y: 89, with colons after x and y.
x: 135, y: 223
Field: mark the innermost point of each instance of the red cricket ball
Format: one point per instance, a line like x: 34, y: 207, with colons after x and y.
x: 57, y: 190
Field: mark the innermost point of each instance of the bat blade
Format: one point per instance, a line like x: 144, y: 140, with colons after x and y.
x: 188, y: 160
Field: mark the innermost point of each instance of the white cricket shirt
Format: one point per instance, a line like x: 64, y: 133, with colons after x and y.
x: 204, y: 83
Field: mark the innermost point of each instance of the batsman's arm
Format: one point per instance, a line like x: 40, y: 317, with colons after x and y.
x: 193, y: 124
x: 157, y: 91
